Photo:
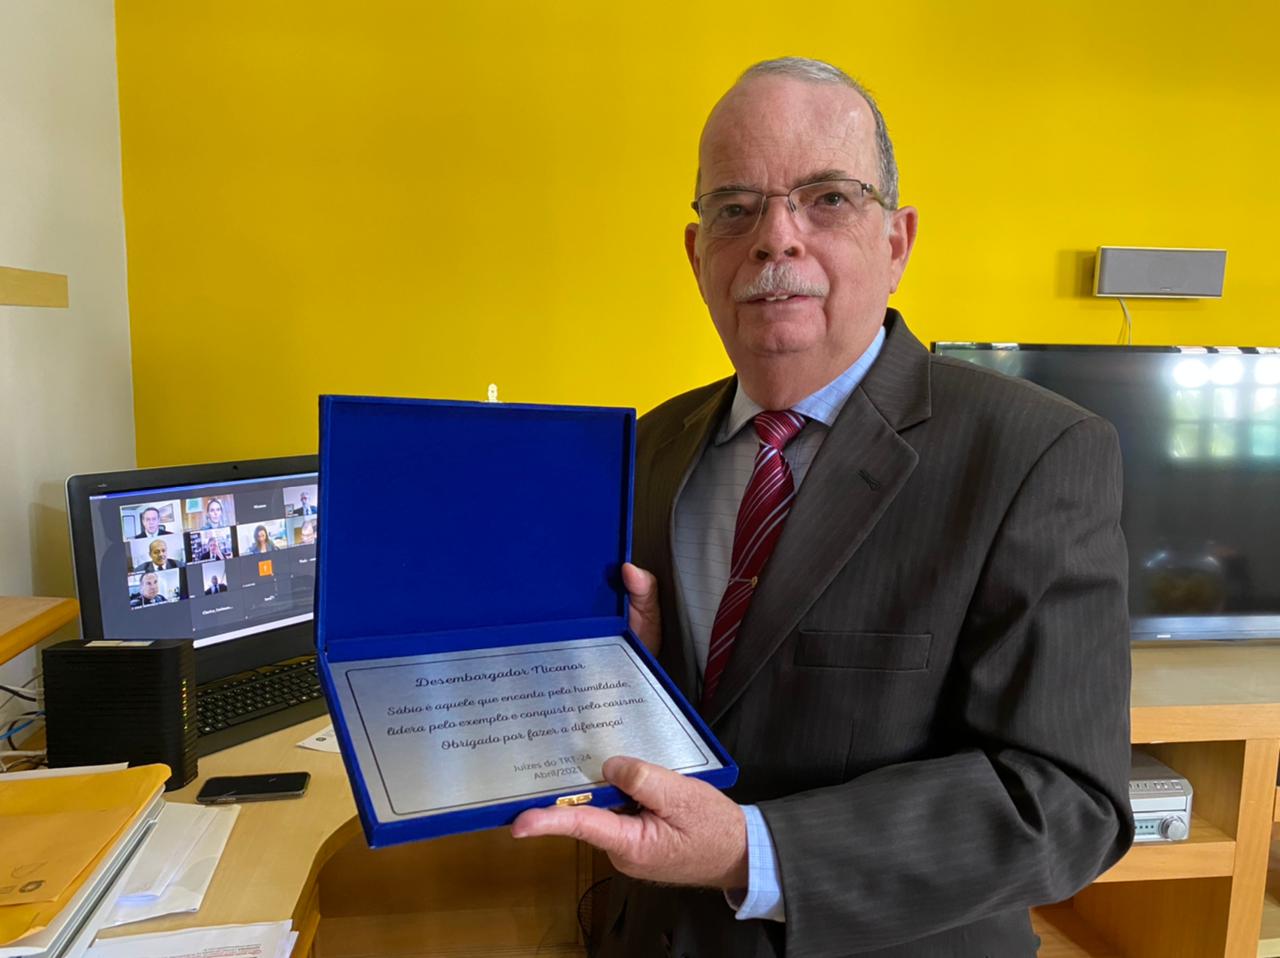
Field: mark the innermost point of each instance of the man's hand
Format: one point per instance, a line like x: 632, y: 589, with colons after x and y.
x: 686, y: 833
x: 646, y: 615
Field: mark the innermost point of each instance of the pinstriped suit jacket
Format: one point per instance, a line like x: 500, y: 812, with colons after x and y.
x: 928, y: 697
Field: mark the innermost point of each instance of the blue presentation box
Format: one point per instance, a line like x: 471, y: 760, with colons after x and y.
x: 471, y: 623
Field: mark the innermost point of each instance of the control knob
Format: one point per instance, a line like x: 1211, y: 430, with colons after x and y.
x: 1173, y: 829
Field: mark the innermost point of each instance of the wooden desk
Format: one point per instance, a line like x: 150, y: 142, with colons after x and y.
x: 26, y: 620
x: 268, y: 871
x: 479, y: 894
x: 1213, y: 712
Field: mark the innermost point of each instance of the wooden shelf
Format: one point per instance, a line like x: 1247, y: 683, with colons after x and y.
x: 1269, y: 945
x: 1204, y: 692
x: 25, y: 620
x: 1207, y: 853
x: 27, y: 287
x: 1064, y: 934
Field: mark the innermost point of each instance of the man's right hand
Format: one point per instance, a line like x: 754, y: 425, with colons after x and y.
x: 646, y: 616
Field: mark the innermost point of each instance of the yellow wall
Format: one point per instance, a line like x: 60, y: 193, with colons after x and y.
x: 421, y: 198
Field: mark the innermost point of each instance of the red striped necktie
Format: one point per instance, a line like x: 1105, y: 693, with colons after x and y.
x: 765, y: 505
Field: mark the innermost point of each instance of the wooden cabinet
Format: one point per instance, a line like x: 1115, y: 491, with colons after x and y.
x: 1212, y: 712
x: 1269, y: 944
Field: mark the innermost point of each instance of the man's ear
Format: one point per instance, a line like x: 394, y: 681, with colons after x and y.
x: 691, y: 248
x: 902, y: 238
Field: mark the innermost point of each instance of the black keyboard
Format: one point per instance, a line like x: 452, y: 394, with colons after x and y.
x: 250, y: 704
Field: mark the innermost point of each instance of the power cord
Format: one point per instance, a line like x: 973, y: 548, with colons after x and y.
x: 14, y: 727
x: 19, y: 692
x: 1126, y: 331
x: 10, y: 761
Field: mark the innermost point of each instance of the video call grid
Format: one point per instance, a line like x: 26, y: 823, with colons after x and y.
x: 164, y: 553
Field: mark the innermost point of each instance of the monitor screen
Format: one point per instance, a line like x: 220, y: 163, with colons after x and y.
x: 1200, y: 435
x: 213, y: 553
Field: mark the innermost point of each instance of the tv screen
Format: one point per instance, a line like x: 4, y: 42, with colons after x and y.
x: 1200, y: 435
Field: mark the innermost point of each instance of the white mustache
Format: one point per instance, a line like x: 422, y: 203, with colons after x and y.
x: 778, y: 279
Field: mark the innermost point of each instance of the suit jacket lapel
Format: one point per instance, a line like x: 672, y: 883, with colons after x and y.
x: 862, y: 465
x: 673, y: 461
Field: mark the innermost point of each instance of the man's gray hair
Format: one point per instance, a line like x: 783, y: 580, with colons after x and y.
x: 817, y: 71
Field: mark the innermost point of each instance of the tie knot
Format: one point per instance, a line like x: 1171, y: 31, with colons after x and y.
x: 776, y: 429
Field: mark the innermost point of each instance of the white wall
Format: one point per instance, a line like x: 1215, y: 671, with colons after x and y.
x: 66, y: 400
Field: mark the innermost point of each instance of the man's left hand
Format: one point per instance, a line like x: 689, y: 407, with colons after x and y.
x: 686, y: 832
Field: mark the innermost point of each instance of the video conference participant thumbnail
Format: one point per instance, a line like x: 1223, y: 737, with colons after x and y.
x: 213, y: 578
x: 154, y: 588
x: 210, y: 545
x: 304, y: 532
x: 209, y: 512
x: 146, y: 520
x: 156, y: 555
x: 300, y: 500
x: 266, y: 536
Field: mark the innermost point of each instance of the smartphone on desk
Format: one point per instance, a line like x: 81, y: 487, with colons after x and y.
x: 224, y: 789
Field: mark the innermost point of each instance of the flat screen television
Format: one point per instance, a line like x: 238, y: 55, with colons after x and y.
x: 1200, y: 435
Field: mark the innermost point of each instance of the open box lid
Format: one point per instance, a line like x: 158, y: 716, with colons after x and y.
x: 473, y: 518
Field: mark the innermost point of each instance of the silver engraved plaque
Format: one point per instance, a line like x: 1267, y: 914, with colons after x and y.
x: 448, y: 731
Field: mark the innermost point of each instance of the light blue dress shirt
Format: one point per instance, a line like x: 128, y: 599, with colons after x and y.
x: 706, y: 514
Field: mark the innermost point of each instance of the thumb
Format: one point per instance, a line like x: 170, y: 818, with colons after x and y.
x: 651, y: 786
x: 646, y: 614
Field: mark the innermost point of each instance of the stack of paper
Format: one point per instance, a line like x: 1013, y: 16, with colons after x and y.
x: 273, y: 939
x: 67, y: 837
x: 176, y: 864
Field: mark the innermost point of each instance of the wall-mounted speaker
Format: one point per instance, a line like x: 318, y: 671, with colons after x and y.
x: 1154, y: 273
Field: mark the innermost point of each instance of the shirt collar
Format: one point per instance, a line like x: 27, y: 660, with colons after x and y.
x: 823, y: 405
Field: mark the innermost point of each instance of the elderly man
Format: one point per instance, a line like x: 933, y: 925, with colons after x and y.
x: 893, y: 583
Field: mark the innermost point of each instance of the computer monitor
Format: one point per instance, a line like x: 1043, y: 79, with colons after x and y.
x: 223, y: 554
x: 1200, y: 434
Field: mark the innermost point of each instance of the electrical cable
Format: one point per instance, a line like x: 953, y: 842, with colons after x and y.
x: 15, y: 691
x: 8, y: 735
x: 1128, y: 325
x: 19, y: 759
x: 25, y: 686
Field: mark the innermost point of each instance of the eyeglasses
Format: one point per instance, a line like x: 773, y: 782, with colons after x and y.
x: 828, y: 205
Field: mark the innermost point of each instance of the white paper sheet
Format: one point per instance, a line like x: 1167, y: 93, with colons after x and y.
x: 264, y: 940
x: 323, y: 741
x: 178, y: 831
x: 60, y: 772
x: 191, y: 877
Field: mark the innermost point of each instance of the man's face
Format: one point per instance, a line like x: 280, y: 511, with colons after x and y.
x: 150, y: 585
x: 215, y: 581
x: 151, y: 521
x: 159, y: 552
x: 773, y: 134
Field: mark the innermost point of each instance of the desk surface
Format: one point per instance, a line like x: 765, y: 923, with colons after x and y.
x: 277, y: 848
